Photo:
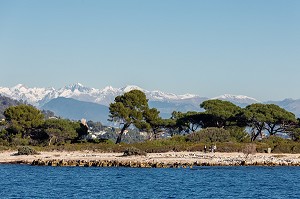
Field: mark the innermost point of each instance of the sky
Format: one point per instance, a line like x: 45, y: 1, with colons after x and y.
x: 204, y: 47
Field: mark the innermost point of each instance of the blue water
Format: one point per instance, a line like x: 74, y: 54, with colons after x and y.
x: 22, y: 181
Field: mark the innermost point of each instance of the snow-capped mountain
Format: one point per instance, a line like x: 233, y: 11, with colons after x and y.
x: 166, y: 103
x: 40, y: 96
x: 241, y: 100
x: 30, y: 95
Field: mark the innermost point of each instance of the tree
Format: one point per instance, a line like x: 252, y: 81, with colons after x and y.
x: 6, y: 102
x: 294, y: 131
x: 181, y: 124
x: 170, y: 126
x: 222, y: 113
x: 128, y: 109
x: 48, y: 114
x: 58, y: 131
x: 23, y: 119
x: 82, y: 130
x: 211, y: 134
x: 189, y: 121
x: 95, y: 126
x: 269, y: 117
x: 153, y: 122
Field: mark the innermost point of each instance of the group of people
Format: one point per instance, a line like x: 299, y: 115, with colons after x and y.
x: 212, y: 148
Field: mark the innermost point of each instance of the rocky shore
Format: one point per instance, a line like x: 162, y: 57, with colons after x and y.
x: 151, y: 160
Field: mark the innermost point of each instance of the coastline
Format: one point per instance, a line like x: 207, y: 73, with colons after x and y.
x: 154, y: 160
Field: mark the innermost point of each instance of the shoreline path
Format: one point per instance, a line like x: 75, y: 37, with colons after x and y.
x: 169, y: 159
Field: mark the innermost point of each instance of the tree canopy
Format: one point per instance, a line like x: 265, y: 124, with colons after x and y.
x: 59, y: 130
x: 269, y: 117
x: 128, y: 109
x: 23, y: 119
x: 222, y: 113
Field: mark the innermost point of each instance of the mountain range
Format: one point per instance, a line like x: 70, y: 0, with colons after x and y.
x: 40, y: 96
x: 86, y: 100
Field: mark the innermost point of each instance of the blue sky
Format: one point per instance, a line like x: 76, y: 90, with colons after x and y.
x: 202, y: 47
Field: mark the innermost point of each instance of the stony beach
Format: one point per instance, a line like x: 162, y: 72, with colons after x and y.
x: 153, y: 160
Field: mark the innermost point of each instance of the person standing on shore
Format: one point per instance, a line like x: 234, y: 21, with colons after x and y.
x: 214, y: 148
x: 204, y: 148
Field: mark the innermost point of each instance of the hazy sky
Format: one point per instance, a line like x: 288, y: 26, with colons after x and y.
x: 192, y: 46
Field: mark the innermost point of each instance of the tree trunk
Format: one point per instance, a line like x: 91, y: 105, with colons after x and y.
x: 118, y: 141
x: 255, y: 136
x: 259, y: 132
x: 50, y: 141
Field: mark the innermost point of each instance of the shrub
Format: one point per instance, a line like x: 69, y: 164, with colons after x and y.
x: 25, y: 150
x: 17, y: 141
x: 178, y: 138
x: 295, y: 134
x: 239, y: 134
x: 210, y: 135
x: 133, y: 151
x: 275, y: 140
x: 229, y: 147
x: 249, y: 149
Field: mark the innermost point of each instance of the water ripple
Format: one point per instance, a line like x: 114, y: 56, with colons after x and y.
x: 21, y: 181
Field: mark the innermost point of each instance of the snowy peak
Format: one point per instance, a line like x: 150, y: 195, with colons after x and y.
x: 160, y: 96
x: 237, y: 99
x: 129, y: 88
x: 19, y: 86
x: 108, y: 89
x: 77, y: 87
x: 22, y: 92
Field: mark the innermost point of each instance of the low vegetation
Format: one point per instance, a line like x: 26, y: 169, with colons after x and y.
x: 25, y: 150
x: 134, y: 151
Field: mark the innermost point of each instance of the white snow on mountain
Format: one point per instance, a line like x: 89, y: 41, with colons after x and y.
x: 30, y: 95
x: 40, y: 96
x: 240, y: 99
x: 130, y: 88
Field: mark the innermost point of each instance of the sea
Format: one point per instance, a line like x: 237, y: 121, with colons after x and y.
x: 24, y: 181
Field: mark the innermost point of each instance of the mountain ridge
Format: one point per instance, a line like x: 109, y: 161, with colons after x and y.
x: 74, y: 109
x: 163, y: 101
x: 40, y: 96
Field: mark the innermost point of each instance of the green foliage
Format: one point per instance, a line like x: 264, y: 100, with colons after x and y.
x: 239, y: 134
x: 177, y: 143
x: 295, y: 134
x: 18, y: 141
x: 58, y: 131
x: 134, y: 151
x: 95, y: 126
x: 178, y: 138
x: 294, y: 131
x: 153, y: 123
x: 170, y: 126
x: 26, y: 150
x: 48, y: 114
x: 281, y: 145
x: 222, y: 112
x: 188, y: 122
x: 267, y: 117
x: 129, y: 109
x: 210, y: 135
x: 23, y: 119
x: 6, y: 102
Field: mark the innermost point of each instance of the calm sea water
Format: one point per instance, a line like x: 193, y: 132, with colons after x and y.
x: 22, y: 181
